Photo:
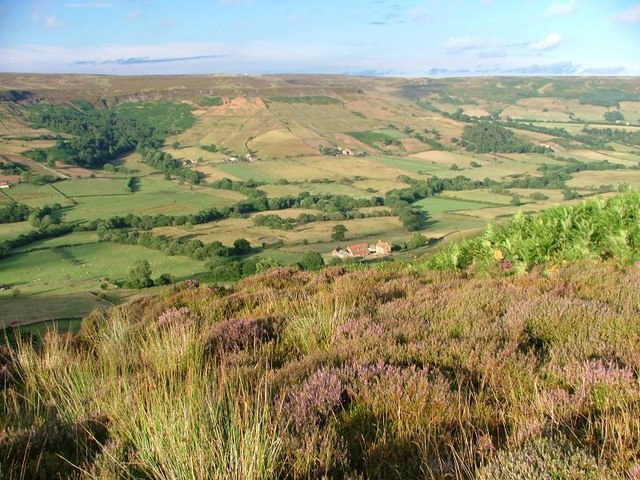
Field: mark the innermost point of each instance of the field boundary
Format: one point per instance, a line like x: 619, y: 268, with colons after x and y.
x: 7, y: 195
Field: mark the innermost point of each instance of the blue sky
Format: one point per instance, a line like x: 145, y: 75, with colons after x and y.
x: 376, y: 37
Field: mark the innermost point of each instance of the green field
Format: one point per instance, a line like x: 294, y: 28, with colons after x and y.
x: 377, y: 138
x: 246, y: 171
x: 292, y: 126
x: 438, y: 205
x: 71, y: 239
x: 155, y: 195
x: 36, y: 196
x: 12, y: 230
x: 480, y: 196
x: 27, y: 308
x: 82, y: 267
x: 93, y: 187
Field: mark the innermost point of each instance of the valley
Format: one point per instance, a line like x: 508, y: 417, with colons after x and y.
x: 279, y: 161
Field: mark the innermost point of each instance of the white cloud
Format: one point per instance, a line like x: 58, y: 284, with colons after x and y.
x: 547, y: 43
x: 51, y: 22
x: 630, y: 15
x: 461, y: 44
x: 558, y: 9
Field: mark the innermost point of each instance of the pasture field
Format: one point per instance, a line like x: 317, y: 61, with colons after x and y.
x: 12, y: 230
x: 71, y: 239
x: 36, y: 195
x: 246, y: 171
x: 133, y: 164
x: 271, y: 144
x: 155, y: 195
x: 90, y: 187
x: 479, y: 196
x: 439, y: 205
x: 26, y: 309
x: 592, y: 180
x: 286, y: 121
x: 84, y: 267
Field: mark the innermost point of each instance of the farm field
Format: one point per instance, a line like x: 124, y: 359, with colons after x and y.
x: 12, y: 230
x: 436, y: 206
x: 83, y: 267
x: 336, y: 137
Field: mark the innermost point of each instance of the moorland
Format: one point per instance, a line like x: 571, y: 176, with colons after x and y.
x: 195, y: 218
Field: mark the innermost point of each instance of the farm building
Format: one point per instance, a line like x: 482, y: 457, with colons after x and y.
x: 340, y: 253
x: 359, y: 250
x: 5, y: 184
x: 383, y: 248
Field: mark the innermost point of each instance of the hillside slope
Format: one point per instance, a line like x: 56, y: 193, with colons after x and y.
x: 378, y: 373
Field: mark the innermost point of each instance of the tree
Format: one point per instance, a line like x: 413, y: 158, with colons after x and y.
x: 311, y: 261
x: 614, y: 116
x: 133, y: 184
x: 165, y: 279
x: 338, y: 233
x: 140, y: 275
x: 241, y: 246
x: 417, y: 240
x: 266, y: 263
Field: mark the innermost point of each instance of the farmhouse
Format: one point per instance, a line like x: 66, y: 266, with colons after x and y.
x: 5, y: 184
x: 383, y: 248
x: 340, y: 253
x: 359, y: 250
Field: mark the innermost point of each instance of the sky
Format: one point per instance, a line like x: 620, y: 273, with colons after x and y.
x: 357, y: 37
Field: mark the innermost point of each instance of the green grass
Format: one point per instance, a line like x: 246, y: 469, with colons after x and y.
x: 376, y: 138
x: 438, y: 205
x: 209, y: 101
x: 166, y: 117
x: 36, y: 196
x: 39, y: 330
x: 155, y: 195
x: 27, y: 308
x: 74, y: 238
x: 245, y: 171
x: 93, y: 187
x: 80, y: 268
x: 480, y: 196
x: 13, y: 230
x: 410, y: 165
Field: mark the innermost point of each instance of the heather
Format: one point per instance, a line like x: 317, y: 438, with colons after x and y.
x: 393, y: 372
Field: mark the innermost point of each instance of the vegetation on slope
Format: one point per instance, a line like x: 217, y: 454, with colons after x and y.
x: 98, y: 135
x: 486, y: 137
x: 371, y: 374
x: 600, y: 228
x: 387, y: 372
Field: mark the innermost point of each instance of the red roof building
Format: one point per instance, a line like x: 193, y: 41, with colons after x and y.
x: 359, y: 250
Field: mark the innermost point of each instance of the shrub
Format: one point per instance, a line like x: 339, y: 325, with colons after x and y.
x: 542, y: 459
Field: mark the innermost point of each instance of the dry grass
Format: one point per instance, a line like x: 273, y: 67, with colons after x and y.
x: 389, y: 373
x: 595, y: 179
